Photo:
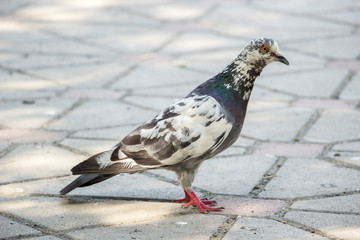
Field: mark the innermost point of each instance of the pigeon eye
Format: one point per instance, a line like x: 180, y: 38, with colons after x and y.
x: 264, y: 49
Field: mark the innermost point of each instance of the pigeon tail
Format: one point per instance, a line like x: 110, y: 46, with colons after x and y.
x: 100, y: 167
x: 79, y: 182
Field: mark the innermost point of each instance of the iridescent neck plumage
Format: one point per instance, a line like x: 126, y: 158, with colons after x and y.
x: 241, y: 74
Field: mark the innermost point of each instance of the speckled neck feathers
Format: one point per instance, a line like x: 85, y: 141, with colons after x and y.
x: 232, y: 87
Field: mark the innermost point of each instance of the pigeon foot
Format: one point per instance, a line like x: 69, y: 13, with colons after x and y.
x: 201, y: 204
x: 187, y: 199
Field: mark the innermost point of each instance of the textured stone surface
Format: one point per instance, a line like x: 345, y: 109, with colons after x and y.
x: 341, y: 226
x: 288, y: 150
x: 352, y: 89
x: 133, y: 186
x: 176, y: 227
x: 229, y: 175
x: 78, y: 76
x: 254, y: 228
x: 10, y: 228
x: 30, y: 136
x: 343, y: 125
x: 300, y: 177
x: 275, y: 125
x: 101, y: 114
x: 303, y: 84
x: 31, y: 162
x: 348, y: 204
x: 61, y: 214
x: 249, y: 207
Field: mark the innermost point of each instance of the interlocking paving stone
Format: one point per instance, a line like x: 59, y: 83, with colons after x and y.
x: 348, y: 157
x: 152, y: 102
x: 96, y: 69
x: 321, y: 83
x: 255, y: 228
x: 89, y: 146
x: 90, y: 76
x: 173, y: 227
x: 100, y: 114
x: 275, y: 125
x: 93, y: 93
x: 29, y: 136
x: 321, y: 47
x: 27, y: 162
x: 249, y: 207
x: 244, y: 171
x: 352, y: 89
x: 115, y: 133
x: 325, y: 103
x: 32, y: 115
x: 196, y: 42
x: 335, y: 125
x: 289, y: 150
x: 349, y: 204
x: 61, y: 214
x: 150, y: 76
x: 350, y: 146
x: 337, y: 225
x: 10, y: 228
x: 44, y: 238
x: 135, y: 41
x: 300, y: 177
x: 136, y: 186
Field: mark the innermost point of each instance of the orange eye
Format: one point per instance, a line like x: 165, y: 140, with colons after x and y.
x: 264, y: 49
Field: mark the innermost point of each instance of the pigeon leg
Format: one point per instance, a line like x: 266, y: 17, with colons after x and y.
x: 187, y: 199
x: 200, y: 204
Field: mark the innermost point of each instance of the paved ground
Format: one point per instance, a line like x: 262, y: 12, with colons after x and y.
x: 76, y: 76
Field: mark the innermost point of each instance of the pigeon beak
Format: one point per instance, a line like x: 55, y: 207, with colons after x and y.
x: 281, y: 58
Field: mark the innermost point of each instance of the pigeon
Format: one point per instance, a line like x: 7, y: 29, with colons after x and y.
x: 204, y: 123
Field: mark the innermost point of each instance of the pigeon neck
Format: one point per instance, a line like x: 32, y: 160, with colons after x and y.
x: 241, y: 74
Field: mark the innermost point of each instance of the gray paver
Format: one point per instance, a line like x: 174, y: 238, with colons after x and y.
x: 115, y: 133
x: 339, y: 225
x: 135, y: 186
x: 77, y: 76
x: 254, y: 228
x: 351, y: 146
x: 21, y: 115
x: 31, y: 162
x: 150, y: 76
x: 61, y: 214
x: 321, y: 47
x: 300, y: 177
x: 276, y: 125
x: 349, y: 204
x: 177, y: 227
x: 44, y: 238
x: 10, y: 228
x: 352, y: 89
x: 348, y: 157
x: 116, y: 113
x: 303, y: 84
x: 343, y: 124
x: 89, y: 146
x: 224, y: 172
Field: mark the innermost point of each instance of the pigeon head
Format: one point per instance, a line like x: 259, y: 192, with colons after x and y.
x: 263, y: 51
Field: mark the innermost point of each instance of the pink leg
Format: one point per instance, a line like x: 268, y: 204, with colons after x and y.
x: 201, y: 205
x: 187, y: 199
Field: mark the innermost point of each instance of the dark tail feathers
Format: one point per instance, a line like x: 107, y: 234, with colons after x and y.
x: 85, y: 180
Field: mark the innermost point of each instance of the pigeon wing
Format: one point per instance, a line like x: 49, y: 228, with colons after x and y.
x: 191, y: 128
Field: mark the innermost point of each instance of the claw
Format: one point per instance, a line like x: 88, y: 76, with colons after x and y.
x: 201, y: 204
